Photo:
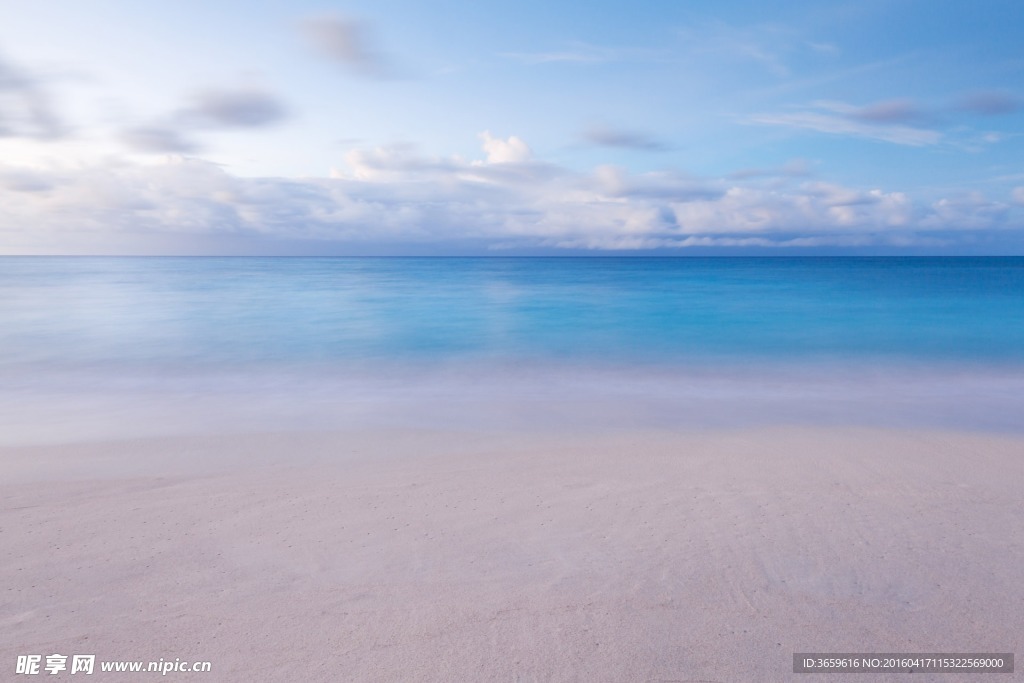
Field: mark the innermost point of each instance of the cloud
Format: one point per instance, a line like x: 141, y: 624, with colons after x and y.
x: 1018, y: 195
x: 989, y: 102
x: 26, y: 180
x: 889, y: 111
x: 626, y: 139
x: 791, y: 169
x: 393, y: 198
x: 968, y: 211
x: 614, y: 182
x: 883, y: 121
x: 209, y: 110
x: 238, y: 108
x: 823, y: 48
x: 25, y: 107
x: 157, y: 139
x: 575, y: 53
x: 348, y: 42
x: 392, y: 162
x: 900, y: 121
x: 770, y: 46
x: 512, y: 150
x: 811, y: 208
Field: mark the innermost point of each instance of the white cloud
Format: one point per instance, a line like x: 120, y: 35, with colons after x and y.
x: 394, y: 196
x: 970, y: 211
x: 511, y: 150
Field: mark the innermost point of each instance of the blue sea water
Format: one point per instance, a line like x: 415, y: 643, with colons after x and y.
x: 199, y: 311
x: 74, y: 324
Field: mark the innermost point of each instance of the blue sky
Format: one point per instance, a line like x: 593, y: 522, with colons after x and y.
x: 501, y: 128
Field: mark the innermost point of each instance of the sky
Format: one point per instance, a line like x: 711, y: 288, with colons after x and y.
x: 397, y: 127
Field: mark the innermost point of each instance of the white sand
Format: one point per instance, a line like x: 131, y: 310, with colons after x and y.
x: 462, y: 556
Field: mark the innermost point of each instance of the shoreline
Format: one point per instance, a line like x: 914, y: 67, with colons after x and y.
x: 94, y: 405
x: 633, y: 554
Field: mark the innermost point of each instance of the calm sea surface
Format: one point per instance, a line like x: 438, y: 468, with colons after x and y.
x: 200, y: 311
x: 672, y: 335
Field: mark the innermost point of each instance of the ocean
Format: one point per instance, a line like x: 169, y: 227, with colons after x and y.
x: 662, y: 341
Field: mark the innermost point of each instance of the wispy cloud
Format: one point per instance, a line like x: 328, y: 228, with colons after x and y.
x: 25, y: 106
x: 990, y: 102
x: 898, y: 111
x: 625, y: 139
x: 585, y: 53
x: 886, y: 121
x: 902, y: 121
x: 157, y: 139
x: 770, y: 46
x: 209, y: 110
x: 795, y: 168
x: 234, y: 108
x: 812, y: 82
x: 823, y: 48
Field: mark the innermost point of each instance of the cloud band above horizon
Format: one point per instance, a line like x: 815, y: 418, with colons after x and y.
x: 389, y: 197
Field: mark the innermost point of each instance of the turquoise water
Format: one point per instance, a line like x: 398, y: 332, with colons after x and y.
x: 201, y: 311
x: 108, y: 347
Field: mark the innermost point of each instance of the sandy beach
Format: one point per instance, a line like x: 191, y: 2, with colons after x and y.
x: 606, y: 342
x: 627, y: 555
